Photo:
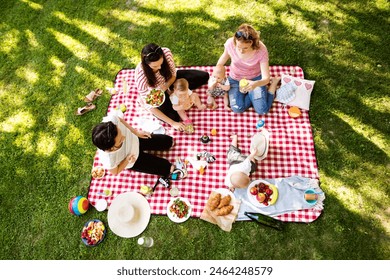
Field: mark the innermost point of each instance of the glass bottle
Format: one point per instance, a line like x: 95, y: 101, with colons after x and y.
x: 145, y: 241
x: 265, y: 220
x: 210, y: 102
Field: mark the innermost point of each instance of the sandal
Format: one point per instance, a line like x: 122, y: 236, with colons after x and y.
x: 93, y: 95
x: 81, y: 111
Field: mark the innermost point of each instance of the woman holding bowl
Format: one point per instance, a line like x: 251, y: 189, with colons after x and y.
x: 157, y: 70
x: 249, y: 61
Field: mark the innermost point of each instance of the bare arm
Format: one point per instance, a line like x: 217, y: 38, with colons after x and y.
x: 139, y: 133
x: 122, y: 165
x: 223, y: 58
x: 251, y: 157
x: 265, y: 78
x: 169, y: 83
x: 224, y: 87
x: 160, y: 115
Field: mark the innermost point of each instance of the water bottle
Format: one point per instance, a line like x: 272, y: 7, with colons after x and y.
x: 145, y: 241
x: 260, y: 124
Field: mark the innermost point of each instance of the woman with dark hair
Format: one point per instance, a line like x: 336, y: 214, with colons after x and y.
x: 157, y: 70
x: 120, y: 147
x: 248, y: 61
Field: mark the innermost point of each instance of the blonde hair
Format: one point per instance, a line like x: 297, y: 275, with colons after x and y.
x: 247, y: 34
x: 181, y: 84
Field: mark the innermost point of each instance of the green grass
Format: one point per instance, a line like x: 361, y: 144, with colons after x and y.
x: 52, y: 53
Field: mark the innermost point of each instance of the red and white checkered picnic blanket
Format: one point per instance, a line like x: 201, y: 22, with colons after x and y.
x: 291, y: 149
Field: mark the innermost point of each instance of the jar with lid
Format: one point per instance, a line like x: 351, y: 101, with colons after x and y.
x: 145, y: 241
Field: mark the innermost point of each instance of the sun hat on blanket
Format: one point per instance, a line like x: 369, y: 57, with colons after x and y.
x: 260, y: 141
x: 129, y: 214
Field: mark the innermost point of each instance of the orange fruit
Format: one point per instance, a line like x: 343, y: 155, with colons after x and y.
x: 294, y: 112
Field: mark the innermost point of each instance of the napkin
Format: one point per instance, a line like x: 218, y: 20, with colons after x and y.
x: 224, y: 222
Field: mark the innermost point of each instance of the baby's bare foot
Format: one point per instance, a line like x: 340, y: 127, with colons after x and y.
x: 201, y: 107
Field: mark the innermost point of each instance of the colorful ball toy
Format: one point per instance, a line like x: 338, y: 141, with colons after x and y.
x: 78, y: 205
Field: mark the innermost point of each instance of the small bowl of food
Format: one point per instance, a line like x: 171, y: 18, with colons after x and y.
x: 311, y: 196
x: 98, y: 172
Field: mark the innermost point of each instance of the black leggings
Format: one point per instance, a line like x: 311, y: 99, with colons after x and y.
x: 151, y: 164
x: 195, y: 78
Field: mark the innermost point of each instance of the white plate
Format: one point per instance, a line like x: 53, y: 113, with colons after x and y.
x: 252, y: 198
x: 172, y: 216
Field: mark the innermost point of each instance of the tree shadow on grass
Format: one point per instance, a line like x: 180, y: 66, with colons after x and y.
x: 64, y: 172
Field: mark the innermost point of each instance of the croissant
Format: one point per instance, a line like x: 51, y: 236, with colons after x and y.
x: 224, y: 210
x: 224, y: 201
x: 214, y: 200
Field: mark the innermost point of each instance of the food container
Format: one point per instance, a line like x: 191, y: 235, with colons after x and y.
x: 311, y: 196
x: 98, y: 172
x: 101, y: 205
x: 205, y: 139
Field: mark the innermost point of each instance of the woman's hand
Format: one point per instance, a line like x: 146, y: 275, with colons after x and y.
x: 251, y: 86
x: 178, y: 126
x: 143, y: 134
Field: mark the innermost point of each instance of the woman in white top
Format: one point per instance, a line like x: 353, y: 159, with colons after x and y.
x: 122, y: 147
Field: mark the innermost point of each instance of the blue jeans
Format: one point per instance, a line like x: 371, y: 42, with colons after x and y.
x: 259, y: 98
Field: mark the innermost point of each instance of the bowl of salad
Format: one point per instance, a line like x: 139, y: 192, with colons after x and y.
x: 179, y: 209
x: 155, y: 98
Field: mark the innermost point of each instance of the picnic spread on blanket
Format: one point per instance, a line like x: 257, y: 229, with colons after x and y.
x: 288, y: 173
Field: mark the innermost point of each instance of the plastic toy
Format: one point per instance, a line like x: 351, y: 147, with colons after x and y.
x: 78, y: 205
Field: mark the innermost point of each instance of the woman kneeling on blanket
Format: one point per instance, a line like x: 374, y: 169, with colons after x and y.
x: 120, y: 147
x: 249, y: 61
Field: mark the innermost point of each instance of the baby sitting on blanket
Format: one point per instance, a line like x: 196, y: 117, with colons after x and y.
x: 183, y: 99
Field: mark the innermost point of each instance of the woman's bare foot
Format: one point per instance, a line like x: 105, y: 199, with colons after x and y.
x: 274, y: 83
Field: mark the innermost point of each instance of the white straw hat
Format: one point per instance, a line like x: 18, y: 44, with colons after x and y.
x: 129, y: 214
x: 260, y: 141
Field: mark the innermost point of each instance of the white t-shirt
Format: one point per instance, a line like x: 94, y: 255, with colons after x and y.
x: 111, y: 160
x: 244, y: 167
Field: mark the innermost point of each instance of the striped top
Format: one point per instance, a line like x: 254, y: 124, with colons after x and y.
x: 141, y: 82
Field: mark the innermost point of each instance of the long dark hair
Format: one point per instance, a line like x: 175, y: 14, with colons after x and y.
x: 151, y: 53
x: 103, y: 135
